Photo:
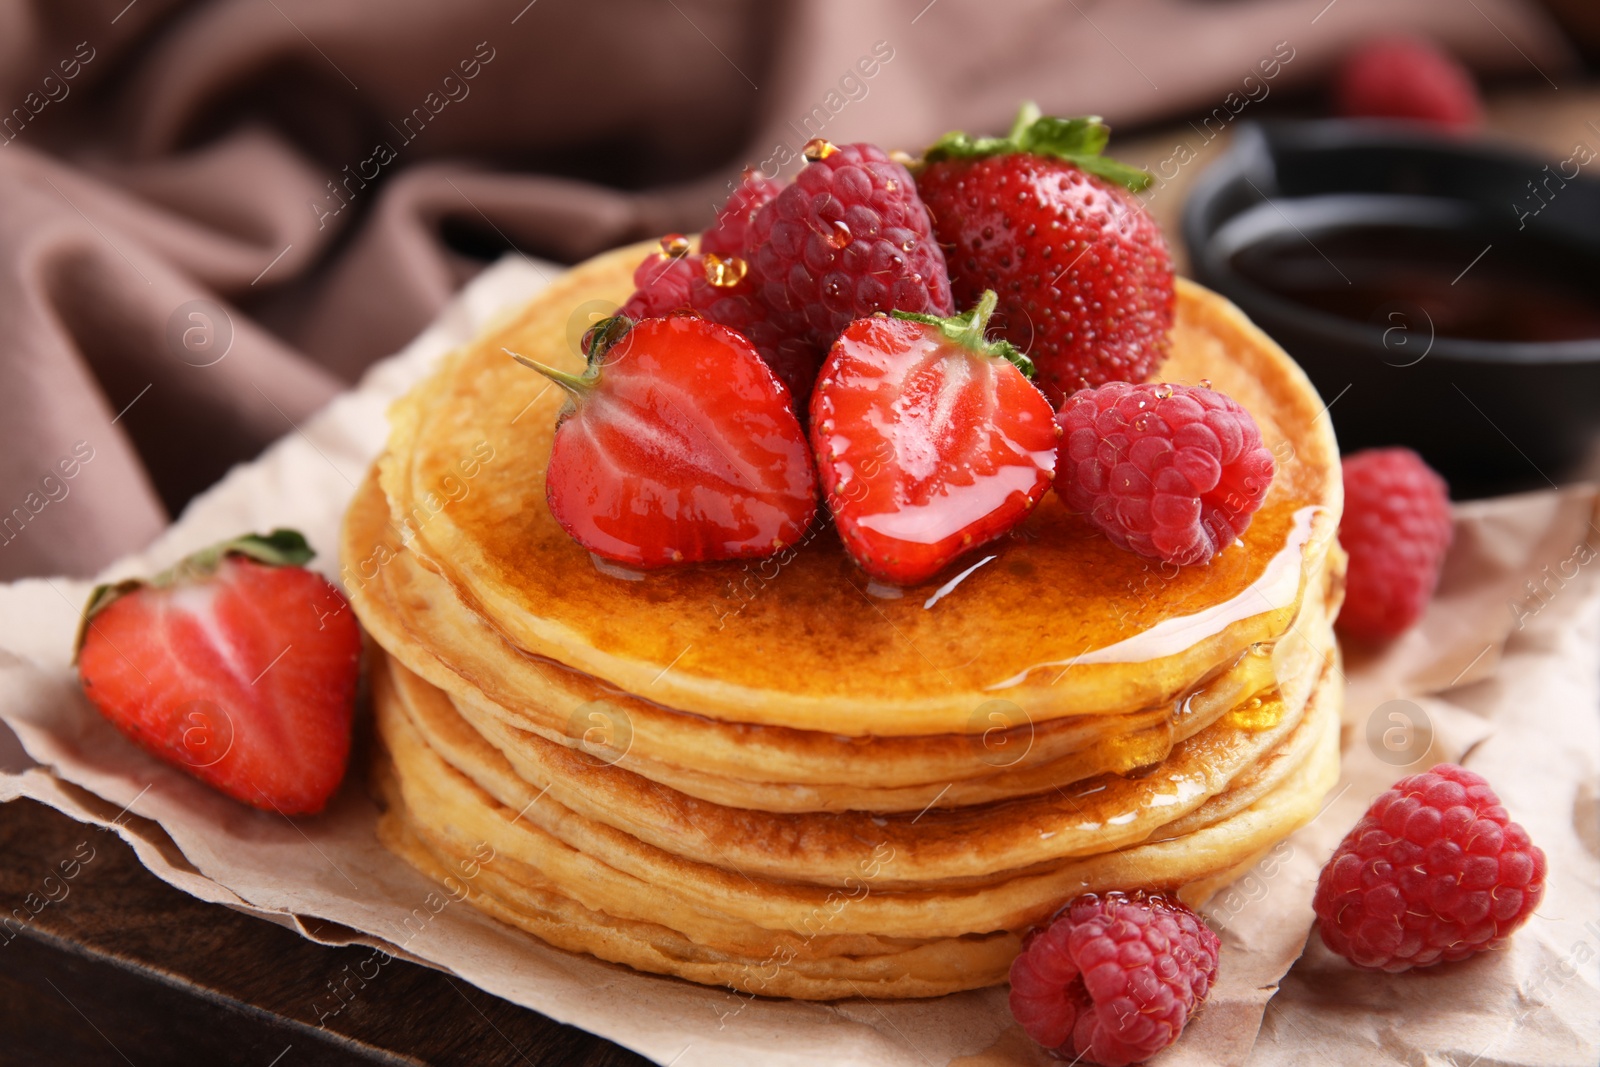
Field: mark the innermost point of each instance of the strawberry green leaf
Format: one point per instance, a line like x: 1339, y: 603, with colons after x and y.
x: 1067, y: 138
x: 1079, y: 141
x: 968, y: 331
x: 603, y: 336
x: 959, y: 145
x: 280, y: 548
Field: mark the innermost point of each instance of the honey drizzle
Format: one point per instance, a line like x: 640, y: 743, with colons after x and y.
x: 1274, y: 590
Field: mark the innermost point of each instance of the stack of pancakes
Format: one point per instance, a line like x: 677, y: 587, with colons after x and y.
x: 779, y: 777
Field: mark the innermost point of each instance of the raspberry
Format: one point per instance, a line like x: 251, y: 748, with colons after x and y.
x: 1396, y: 528
x: 666, y: 283
x: 728, y: 236
x: 1113, y: 979
x: 715, y: 283
x: 673, y: 280
x: 1407, y: 78
x: 1173, y: 472
x: 793, y: 268
x: 661, y: 282
x: 847, y: 238
x: 1434, y: 871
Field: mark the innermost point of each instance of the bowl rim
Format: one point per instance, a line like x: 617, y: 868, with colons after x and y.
x: 1341, y: 135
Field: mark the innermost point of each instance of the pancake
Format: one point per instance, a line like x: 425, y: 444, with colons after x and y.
x: 643, y: 907
x: 933, y: 846
x: 1055, y: 619
x: 415, y: 615
x: 924, y: 969
x: 782, y: 778
x: 465, y: 779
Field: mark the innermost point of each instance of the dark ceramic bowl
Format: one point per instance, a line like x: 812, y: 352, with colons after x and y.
x: 1441, y: 294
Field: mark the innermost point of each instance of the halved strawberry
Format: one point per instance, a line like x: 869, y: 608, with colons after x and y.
x: 930, y: 440
x: 679, y: 445
x: 237, y: 665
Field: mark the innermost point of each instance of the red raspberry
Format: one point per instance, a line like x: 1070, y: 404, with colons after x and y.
x: 673, y: 280
x: 1407, y: 78
x: 661, y: 282
x: 1396, y: 528
x: 667, y: 283
x: 1173, y: 472
x: 1434, y: 871
x: 1113, y: 979
x: 715, y: 283
x: 728, y: 236
x: 848, y: 237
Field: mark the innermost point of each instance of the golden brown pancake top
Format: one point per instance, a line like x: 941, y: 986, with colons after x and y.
x: 803, y: 639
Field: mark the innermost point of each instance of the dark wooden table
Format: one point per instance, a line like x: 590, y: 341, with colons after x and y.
x: 124, y: 969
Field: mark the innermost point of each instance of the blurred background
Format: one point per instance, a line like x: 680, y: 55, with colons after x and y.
x: 215, y: 214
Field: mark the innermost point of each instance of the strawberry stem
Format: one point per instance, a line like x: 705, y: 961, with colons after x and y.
x: 969, y: 331
x: 1078, y: 141
x: 576, y: 384
x: 1027, y: 115
x: 601, y: 338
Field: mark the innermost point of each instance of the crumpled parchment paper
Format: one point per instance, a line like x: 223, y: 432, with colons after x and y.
x: 1504, y: 672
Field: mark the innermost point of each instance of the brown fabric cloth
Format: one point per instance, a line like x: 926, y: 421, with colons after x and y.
x: 214, y: 214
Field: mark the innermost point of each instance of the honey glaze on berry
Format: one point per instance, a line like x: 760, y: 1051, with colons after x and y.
x: 794, y: 639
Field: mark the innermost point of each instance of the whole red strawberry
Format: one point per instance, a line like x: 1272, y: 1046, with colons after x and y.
x: 1173, y: 472
x: 929, y: 439
x: 238, y: 666
x: 1397, y: 529
x: 1404, y: 77
x: 1045, y: 220
x: 1434, y: 871
x: 849, y: 237
x: 679, y: 445
x: 1113, y: 979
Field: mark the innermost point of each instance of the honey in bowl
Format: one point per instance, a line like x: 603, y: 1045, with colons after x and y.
x: 1471, y: 284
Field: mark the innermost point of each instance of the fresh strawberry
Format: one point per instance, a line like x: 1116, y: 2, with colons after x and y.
x: 238, y: 665
x: 1045, y: 220
x: 930, y: 440
x: 679, y: 445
